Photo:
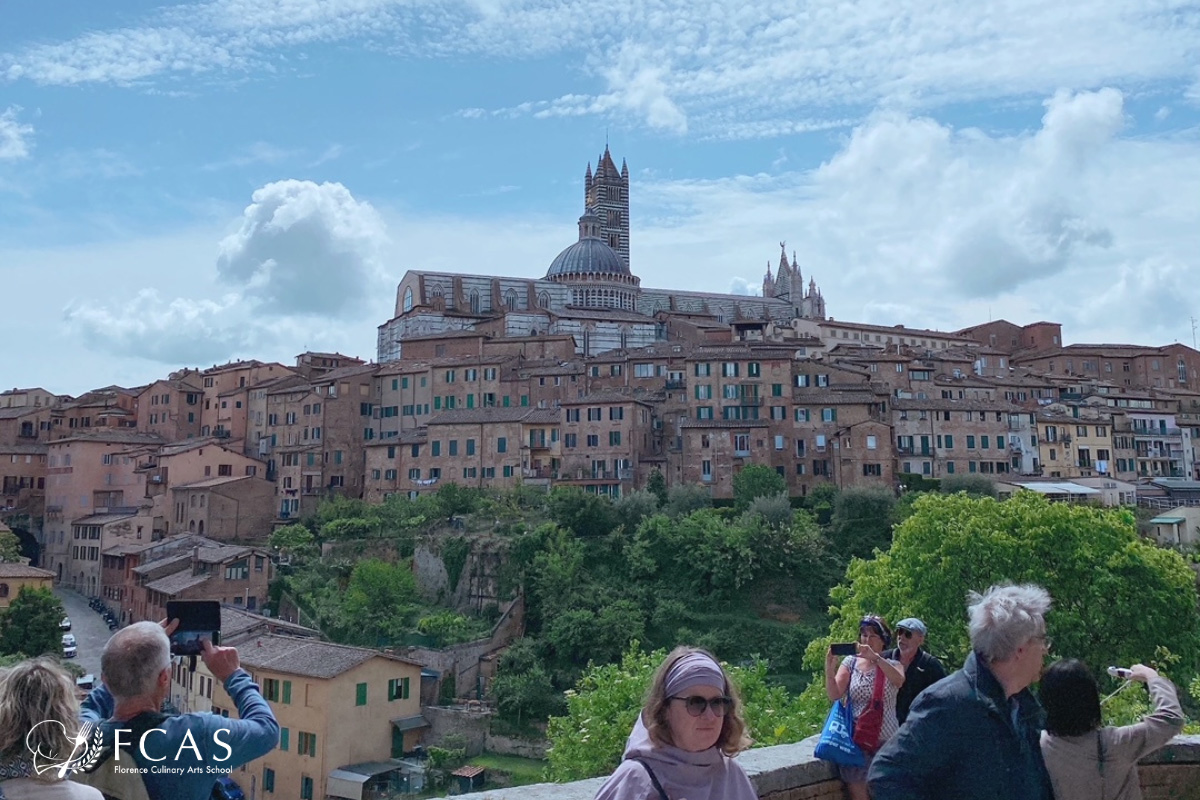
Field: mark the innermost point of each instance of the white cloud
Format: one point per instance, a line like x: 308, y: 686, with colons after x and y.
x: 723, y: 69
x: 305, y: 248
x: 14, y: 135
x: 304, y: 262
x: 744, y: 287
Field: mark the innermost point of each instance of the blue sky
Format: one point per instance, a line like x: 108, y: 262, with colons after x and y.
x: 185, y: 183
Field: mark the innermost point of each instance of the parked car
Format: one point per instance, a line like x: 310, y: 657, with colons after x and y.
x: 84, y: 685
x: 68, y: 651
x: 225, y: 789
x: 65, y: 624
x: 68, y: 640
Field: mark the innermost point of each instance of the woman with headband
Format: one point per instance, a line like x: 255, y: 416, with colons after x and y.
x: 860, y: 675
x: 683, y: 743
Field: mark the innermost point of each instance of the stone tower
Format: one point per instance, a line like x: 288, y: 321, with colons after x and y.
x: 606, y: 195
x: 788, y: 284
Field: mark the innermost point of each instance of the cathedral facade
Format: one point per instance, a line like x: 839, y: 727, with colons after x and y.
x: 589, y: 290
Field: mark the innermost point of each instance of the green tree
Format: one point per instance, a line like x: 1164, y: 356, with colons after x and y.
x: 447, y: 626
x: 588, y: 515
x: 30, y: 625
x: 974, y: 485
x: 10, y: 547
x: 656, y: 484
x: 293, y: 539
x: 522, y: 686
x: 776, y: 511
x: 820, y: 501
x: 861, y: 521
x: 379, y: 601
x: 454, y: 499
x: 756, y: 480
x: 1117, y: 598
x: 634, y: 507
x: 347, y: 528
x: 686, y: 498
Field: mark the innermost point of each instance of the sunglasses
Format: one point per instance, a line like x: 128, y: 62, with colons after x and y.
x: 907, y: 634
x: 696, y: 704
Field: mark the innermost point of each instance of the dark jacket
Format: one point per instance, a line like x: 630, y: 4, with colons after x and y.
x: 960, y: 742
x: 924, y: 671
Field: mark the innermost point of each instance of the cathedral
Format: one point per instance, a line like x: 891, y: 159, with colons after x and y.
x: 589, y: 290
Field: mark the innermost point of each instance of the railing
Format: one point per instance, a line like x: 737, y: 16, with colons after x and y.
x: 625, y: 474
x: 741, y: 453
x: 541, y: 473
x: 906, y: 450
x: 675, y: 385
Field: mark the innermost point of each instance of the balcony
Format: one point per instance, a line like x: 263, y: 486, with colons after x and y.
x: 672, y: 386
x: 625, y: 474
x: 742, y: 453
x: 539, y: 473
x: 904, y: 450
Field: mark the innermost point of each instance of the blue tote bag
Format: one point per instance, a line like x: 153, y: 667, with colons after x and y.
x: 837, y: 737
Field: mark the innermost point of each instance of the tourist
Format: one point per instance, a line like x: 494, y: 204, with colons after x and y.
x: 861, y: 676
x: 921, y: 668
x: 1090, y: 762
x: 685, y: 737
x: 39, y: 713
x: 974, y: 735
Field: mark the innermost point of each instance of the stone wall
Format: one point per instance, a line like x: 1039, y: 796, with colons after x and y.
x: 469, y: 661
x: 790, y: 772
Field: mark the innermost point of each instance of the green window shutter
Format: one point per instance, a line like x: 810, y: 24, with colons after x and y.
x: 287, y: 691
x: 312, y: 745
x: 404, y: 689
x: 284, y: 734
x: 268, y: 779
x: 391, y: 689
x: 360, y: 695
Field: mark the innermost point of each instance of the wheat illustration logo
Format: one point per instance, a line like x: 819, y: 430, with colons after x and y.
x: 86, y: 750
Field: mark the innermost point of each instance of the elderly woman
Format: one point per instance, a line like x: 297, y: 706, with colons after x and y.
x: 685, y: 738
x: 1090, y: 762
x: 38, y: 712
x: 858, y: 675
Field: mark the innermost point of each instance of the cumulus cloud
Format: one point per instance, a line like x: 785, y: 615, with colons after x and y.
x: 304, y: 261
x: 14, y: 135
x: 744, y: 287
x: 304, y: 248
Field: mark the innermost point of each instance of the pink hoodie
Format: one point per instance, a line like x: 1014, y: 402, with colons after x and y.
x: 707, y: 775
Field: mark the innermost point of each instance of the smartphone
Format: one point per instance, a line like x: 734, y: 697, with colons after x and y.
x: 844, y: 649
x: 198, y: 620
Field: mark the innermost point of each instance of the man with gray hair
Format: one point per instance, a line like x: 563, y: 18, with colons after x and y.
x: 179, y: 756
x: 975, y: 735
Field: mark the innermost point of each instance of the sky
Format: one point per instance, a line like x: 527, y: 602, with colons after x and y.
x: 186, y: 183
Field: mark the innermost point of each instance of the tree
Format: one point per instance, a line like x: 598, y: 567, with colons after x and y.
x: 756, y: 480
x: 1117, y: 598
x: 293, y: 539
x: 820, y: 501
x: 686, y: 498
x: 10, y: 547
x: 974, y: 485
x: 657, y: 485
x: 522, y: 686
x: 454, y: 499
x: 776, y: 511
x: 634, y: 507
x: 861, y: 521
x: 587, y: 515
x: 379, y: 601
x: 30, y: 626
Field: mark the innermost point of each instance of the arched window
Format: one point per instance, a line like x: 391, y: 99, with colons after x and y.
x: 510, y: 300
x: 200, y: 528
x: 544, y: 299
x: 474, y: 301
x: 614, y: 241
x: 408, y: 299
x: 191, y: 526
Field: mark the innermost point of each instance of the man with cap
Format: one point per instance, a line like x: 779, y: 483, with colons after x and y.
x: 921, y: 668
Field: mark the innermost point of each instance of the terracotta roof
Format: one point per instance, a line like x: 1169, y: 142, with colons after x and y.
x: 895, y: 330
x: 209, y: 483
x: 345, y: 372
x: 21, y: 411
x: 834, y: 397
x: 217, y: 555
x: 492, y: 414
x: 102, y: 519
x: 23, y: 571
x: 114, y: 436
x: 176, y: 582
x: 605, y: 396
x: 939, y: 404
x: 295, y: 656
x: 24, y: 449
x: 724, y: 423
x: 237, y: 622
x: 174, y: 557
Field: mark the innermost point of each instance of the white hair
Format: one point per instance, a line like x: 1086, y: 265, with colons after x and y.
x: 133, y: 659
x: 1006, y: 617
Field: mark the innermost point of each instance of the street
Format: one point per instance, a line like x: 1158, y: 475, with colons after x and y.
x: 91, y: 632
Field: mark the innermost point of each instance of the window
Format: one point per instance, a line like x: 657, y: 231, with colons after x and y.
x: 778, y: 442
x: 614, y: 438
x: 776, y: 390
x: 569, y: 440
x: 778, y: 412
x: 595, y: 414
x: 949, y: 467
x: 398, y: 689
x: 970, y: 442
x: 271, y: 689
x: 268, y: 779
x: 729, y: 369
x: 706, y: 470
x: 306, y: 788
x: 453, y: 448
x: 741, y: 442
x: 306, y: 744
x: 802, y: 381
x: 872, y: 443
x: 616, y: 412
x: 802, y: 415
x: 287, y: 692
x: 872, y: 470
x: 360, y: 699
x: 829, y: 415
x: 704, y: 412
x: 822, y: 380
x: 754, y: 369
x: 501, y: 444
x: 470, y: 447
x: 703, y: 370
x: 284, y: 735
x: 593, y: 440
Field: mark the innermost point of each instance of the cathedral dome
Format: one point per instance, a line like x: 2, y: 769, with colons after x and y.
x: 587, y: 256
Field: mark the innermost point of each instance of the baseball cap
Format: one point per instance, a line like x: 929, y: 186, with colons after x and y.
x: 912, y: 624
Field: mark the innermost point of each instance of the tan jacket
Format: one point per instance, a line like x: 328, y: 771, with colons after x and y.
x: 1074, y: 761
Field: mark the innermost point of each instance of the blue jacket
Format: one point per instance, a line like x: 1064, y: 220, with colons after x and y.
x: 186, y: 772
x: 960, y: 742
